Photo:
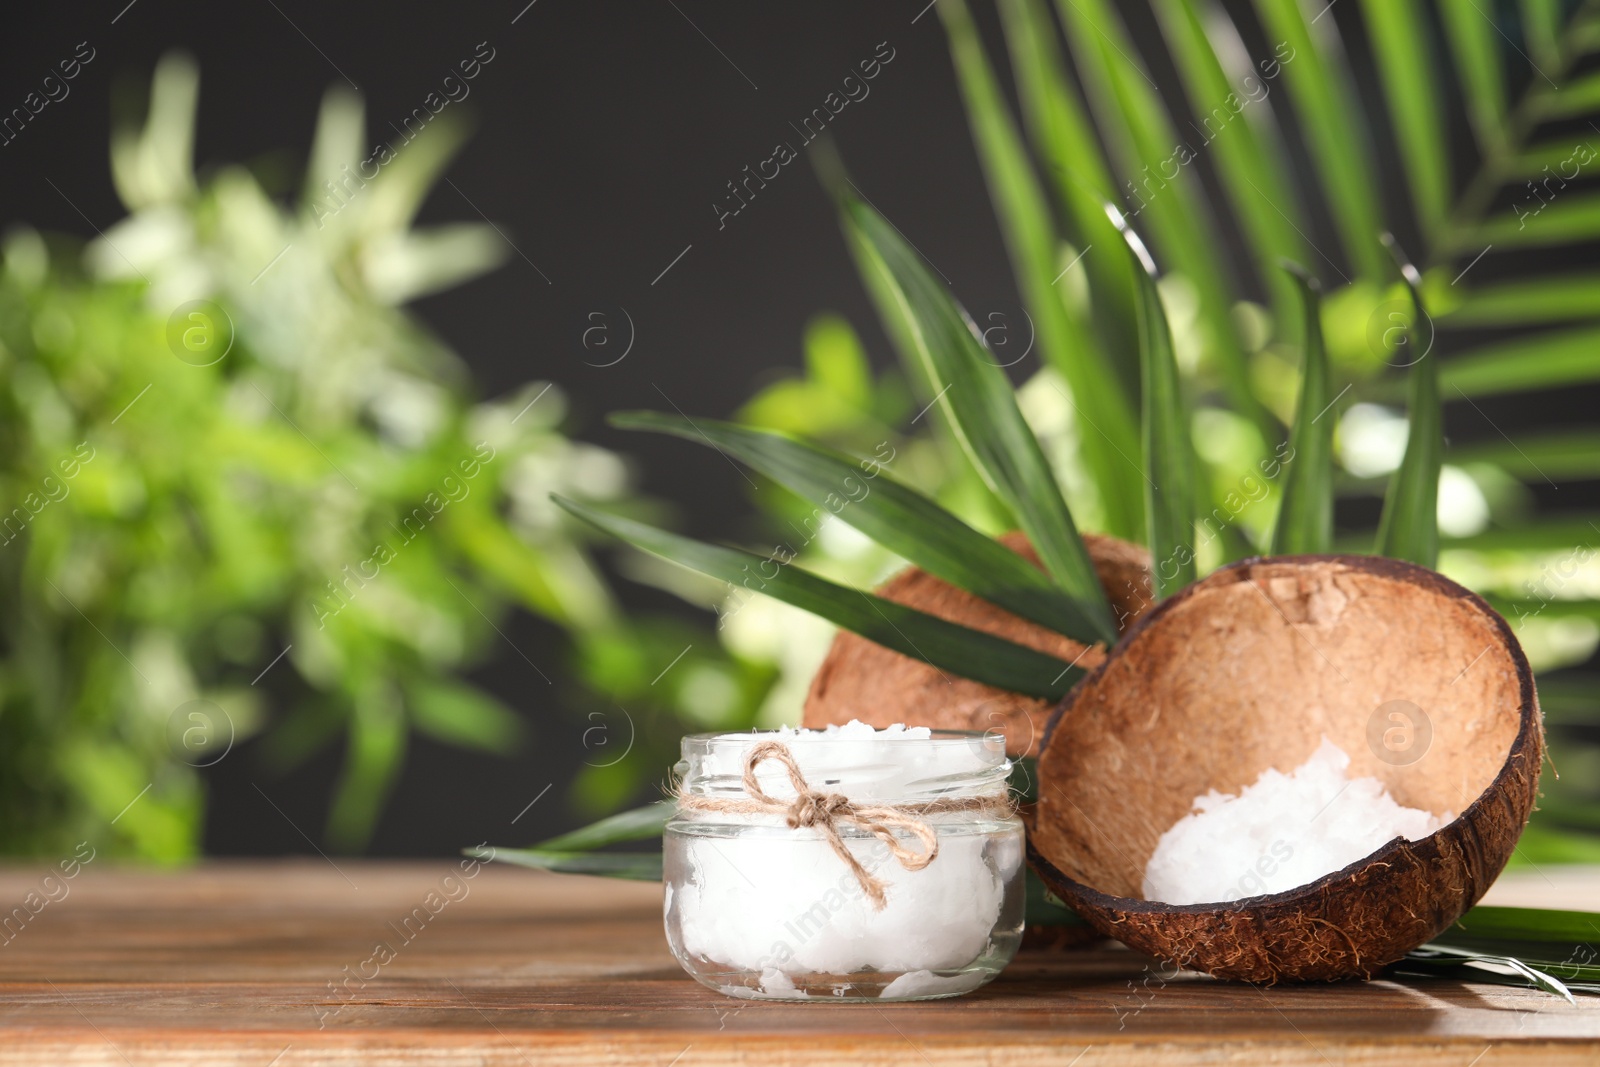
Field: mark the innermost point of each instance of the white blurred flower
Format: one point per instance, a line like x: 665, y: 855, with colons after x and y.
x: 768, y: 630
x: 408, y: 410
x: 595, y: 473
x: 1225, y: 440
x: 1371, y: 440
x: 708, y: 694
x: 537, y: 408
x: 143, y: 241
x: 1463, y: 509
x: 1554, y: 643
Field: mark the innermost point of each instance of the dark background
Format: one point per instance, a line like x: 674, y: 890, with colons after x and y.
x: 604, y: 134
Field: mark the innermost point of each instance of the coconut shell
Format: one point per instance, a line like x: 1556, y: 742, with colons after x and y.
x: 1247, y: 670
x: 860, y: 679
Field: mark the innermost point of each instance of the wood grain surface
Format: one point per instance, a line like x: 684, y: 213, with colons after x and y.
x: 263, y: 964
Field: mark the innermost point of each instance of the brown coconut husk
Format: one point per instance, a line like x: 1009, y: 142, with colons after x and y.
x: 862, y: 680
x: 1046, y: 938
x: 1246, y: 670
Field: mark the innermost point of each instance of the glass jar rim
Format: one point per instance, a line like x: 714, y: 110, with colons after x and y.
x: 885, y: 769
x: 936, y: 736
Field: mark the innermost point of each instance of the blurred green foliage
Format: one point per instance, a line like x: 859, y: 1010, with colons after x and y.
x: 292, y: 466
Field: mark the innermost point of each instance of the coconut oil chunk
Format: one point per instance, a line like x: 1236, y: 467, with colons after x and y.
x: 1286, y: 830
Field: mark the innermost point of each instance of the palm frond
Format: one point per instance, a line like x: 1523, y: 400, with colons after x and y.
x: 1069, y: 345
x: 1166, y: 198
x: 1334, y: 133
x: 960, y: 650
x: 1305, y: 517
x: 1257, y: 183
x: 861, y: 493
x: 978, y: 401
x: 1075, y: 170
x: 1409, y: 527
x: 1168, y: 457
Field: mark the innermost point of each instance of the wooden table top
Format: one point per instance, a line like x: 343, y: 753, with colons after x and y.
x: 263, y: 964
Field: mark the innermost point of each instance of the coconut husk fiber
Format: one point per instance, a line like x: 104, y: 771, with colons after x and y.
x: 862, y: 680
x: 1247, y: 670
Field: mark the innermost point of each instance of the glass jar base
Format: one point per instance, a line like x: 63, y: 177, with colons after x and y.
x: 875, y: 986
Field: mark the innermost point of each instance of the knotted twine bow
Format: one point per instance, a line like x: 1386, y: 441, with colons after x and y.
x: 825, y: 811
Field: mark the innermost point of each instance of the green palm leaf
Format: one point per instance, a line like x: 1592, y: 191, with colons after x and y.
x: 1439, y: 958
x: 1541, y: 26
x: 1333, y: 131
x: 1256, y: 182
x: 901, y: 520
x: 1477, y: 59
x: 1076, y: 169
x: 1025, y: 220
x: 966, y: 652
x: 1305, y: 517
x: 1543, y: 947
x: 978, y: 402
x: 1529, y: 303
x: 1411, y: 90
x: 1553, y: 358
x: 636, y: 824
x: 1567, y: 454
x: 1538, y: 219
x: 633, y: 866
x: 1409, y: 527
x: 573, y: 852
x: 1548, y: 533
x: 1169, y: 462
x: 1143, y: 139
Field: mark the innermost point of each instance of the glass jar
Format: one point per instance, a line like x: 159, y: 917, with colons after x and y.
x: 759, y: 907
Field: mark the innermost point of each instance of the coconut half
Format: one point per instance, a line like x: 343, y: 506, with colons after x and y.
x: 859, y: 679
x: 1246, y: 670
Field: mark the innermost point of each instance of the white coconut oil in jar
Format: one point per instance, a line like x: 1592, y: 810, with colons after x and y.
x: 762, y: 902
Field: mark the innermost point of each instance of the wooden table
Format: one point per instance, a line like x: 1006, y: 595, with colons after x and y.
x: 262, y: 964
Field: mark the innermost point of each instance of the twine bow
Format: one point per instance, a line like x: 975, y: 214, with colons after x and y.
x: 825, y: 811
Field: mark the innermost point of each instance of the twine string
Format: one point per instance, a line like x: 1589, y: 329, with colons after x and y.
x: 826, y: 811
